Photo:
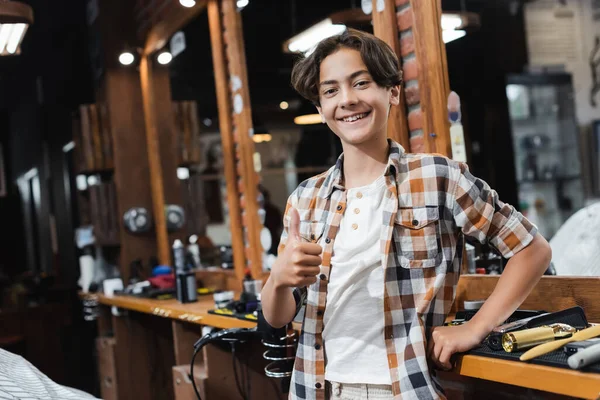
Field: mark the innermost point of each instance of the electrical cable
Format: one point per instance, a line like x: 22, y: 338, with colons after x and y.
x: 232, y: 335
x: 192, y: 373
x: 238, y: 382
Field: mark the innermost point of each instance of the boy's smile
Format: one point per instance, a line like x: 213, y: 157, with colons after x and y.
x: 352, y: 104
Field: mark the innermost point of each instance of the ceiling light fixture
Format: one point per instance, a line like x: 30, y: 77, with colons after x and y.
x: 284, y: 105
x: 164, y: 58
x: 261, y: 137
x: 305, y: 41
x: 242, y: 3
x: 126, y: 58
x: 15, y: 18
x: 308, y: 119
x: 187, y: 3
x: 454, y: 26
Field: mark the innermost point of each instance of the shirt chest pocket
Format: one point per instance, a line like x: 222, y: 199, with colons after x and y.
x: 311, y: 231
x: 416, y: 235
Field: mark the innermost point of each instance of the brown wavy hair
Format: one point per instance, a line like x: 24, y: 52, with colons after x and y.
x: 381, y: 61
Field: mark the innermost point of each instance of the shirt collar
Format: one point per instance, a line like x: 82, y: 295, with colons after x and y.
x: 335, y: 178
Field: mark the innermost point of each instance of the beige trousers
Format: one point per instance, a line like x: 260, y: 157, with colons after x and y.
x: 357, y: 391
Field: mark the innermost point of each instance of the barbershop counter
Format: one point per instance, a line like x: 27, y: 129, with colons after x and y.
x: 172, y: 328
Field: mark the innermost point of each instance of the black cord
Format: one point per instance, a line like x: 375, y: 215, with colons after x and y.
x: 192, y: 372
x: 232, y: 335
x: 237, y: 380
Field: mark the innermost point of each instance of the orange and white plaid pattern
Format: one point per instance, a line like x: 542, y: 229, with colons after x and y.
x: 430, y: 203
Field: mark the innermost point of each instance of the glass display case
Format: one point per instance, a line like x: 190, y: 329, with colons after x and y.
x: 546, y: 149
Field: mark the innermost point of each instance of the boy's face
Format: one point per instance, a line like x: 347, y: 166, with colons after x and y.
x: 354, y: 107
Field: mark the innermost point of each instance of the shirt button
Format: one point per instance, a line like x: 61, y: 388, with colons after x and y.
x: 359, y: 195
x: 356, y: 211
x: 317, y: 346
x: 339, y: 207
x: 415, y: 222
x: 327, y: 240
x: 323, y: 277
x: 355, y: 226
x: 318, y: 385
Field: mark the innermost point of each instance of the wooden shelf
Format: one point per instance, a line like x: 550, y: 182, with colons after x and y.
x: 550, y: 379
x: 214, y: 271
x: 195, y: 313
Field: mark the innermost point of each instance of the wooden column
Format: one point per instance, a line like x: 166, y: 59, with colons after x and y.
x: 242, y: 134
x: 167, y: 141
x: 215, y: 20
x: 156, y: 178
x: 120, y: 90
x: 386, y: 28
x: 423, y: 55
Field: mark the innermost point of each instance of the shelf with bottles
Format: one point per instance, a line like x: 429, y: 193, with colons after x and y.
x: 551, y: 149
x: 551, y: 179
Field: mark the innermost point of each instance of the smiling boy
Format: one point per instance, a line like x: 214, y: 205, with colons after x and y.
x: 374, y: 245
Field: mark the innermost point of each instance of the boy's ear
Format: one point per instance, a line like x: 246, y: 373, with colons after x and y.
x: 395, y: 95
x: 320, y: 110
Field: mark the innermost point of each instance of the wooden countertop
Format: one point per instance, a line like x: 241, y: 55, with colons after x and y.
x: 550, y: 379
x: 196, y: 313
x: 555, y: 380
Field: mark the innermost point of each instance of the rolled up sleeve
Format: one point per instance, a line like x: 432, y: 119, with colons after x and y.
x: 480, y: 214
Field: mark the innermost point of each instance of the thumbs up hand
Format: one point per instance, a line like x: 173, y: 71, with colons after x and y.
x: 298, y: 264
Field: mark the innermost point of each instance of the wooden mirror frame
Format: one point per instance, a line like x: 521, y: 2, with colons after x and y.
x: 231, y: 81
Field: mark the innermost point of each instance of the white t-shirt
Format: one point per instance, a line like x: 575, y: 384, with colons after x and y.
x: 353, y: 333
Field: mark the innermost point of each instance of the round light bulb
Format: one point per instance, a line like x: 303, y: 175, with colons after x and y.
x: 284, y: 105
x: 165, y: 57
x: 187, y: 3
x: 126, y: 58
x: 242, y: 3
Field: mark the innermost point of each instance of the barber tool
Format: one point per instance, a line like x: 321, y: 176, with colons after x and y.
x: 585, y: 357
x: 494, y: 340
x: 280, y: 344
x: 185, y: 279
x: 520, y: 340
x: 545, y: 348
x: 574, y: 347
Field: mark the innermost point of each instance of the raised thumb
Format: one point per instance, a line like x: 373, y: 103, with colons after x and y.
x: 294, y: 230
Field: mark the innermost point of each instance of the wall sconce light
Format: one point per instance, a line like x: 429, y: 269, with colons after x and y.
x: 164, y: 57
x: 15, y: 18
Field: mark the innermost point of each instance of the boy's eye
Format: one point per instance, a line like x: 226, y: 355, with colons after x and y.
x: 362, y: 83
x: 329, y: 91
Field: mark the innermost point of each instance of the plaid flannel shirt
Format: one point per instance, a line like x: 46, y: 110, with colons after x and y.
x: 431, y: 201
